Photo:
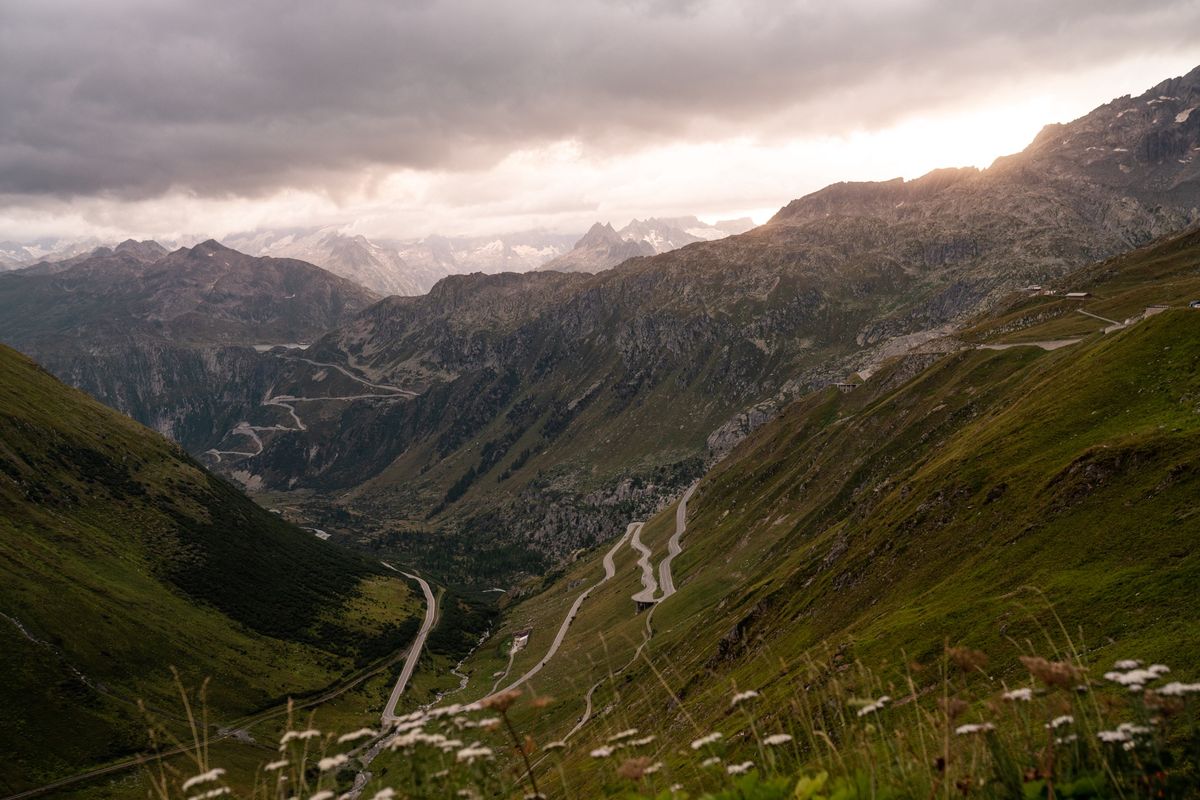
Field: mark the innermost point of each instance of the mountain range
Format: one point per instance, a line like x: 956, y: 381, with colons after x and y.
x: 552, y: 405
x: 537, y: 411
x: 604, y: 247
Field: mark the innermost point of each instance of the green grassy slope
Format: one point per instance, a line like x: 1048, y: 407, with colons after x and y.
x: 917, y: 509
x: 121, y: 557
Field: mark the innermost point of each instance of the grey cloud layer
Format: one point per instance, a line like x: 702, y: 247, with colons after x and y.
x: 130, y: 98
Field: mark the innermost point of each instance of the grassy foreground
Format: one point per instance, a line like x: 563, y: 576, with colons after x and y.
x: 1063, y: 729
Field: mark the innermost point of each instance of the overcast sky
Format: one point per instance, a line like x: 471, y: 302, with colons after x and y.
x: 398, y: 118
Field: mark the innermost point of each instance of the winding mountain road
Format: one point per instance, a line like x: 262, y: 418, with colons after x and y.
x: 674, y: 547
x: 414, y: 650
x: 667, y: 582
x: 610, y: 570
x: 1048, y: 344
x: 649, y: 585
x: 351, y: 375
x: 287, y: 402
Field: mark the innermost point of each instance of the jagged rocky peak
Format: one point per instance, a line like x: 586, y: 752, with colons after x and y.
x: 600, y: 234
x: 147, y: 251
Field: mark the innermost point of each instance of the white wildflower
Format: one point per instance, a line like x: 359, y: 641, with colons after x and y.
x: 211, y: 793
x: 1128, y: 663
x: 653, y: 768
x: 1158, y: 669
x: 203, y: 777
x: 740, y: 769
x: 1177, y: 689
x: 710, y: 762
x: 1057, y: 722
x: 1068, y: 739
x: 1025, y: 694
x: 450, y: 744
x: 387, y: 793
x: 405, y: 740
x: 333, y: 762
x: 777, y: 739
x: 1113, y: 736
x: 1137, y: 730
x: 974, y: 727
x: 274, y: 765
x: 874, y: 706
x: 742, y: 697
x: 704, y: 741
x: 642, y: 742
x: 601, y: 752
x: 475, y: 751
x: 1134, y: 678
x: 311, y: 733
x: 625, y: 734
x: 361, y: 733
x: 411, y: 725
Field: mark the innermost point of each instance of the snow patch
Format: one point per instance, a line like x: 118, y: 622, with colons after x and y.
x: 1182, y: 116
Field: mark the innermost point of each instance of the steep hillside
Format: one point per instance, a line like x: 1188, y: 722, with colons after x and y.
x: 168, y: 339
x: 120, y: 557
x: 949, y: 498
x: 207, y: 294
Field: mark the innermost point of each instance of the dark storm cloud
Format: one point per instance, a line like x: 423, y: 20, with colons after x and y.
x: 129, y: 98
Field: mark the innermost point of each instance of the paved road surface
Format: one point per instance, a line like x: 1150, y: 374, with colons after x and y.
x: 1049, y: 344
x: 288, y: 402
x: 351, y: 375
x: 414, y: 651
x: 674, y: 548
x: 649, y: 585
x: 609, y: 571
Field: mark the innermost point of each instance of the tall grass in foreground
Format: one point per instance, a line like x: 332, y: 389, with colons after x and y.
x: 829, y: 731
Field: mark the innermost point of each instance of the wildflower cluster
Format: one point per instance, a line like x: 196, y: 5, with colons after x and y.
x: 840, y: 735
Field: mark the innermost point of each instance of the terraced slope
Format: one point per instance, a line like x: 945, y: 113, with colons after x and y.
x: 947, y: 498
x: 120, y: 557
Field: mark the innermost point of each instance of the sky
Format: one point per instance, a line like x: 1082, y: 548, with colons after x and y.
x: 401, y: 118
